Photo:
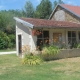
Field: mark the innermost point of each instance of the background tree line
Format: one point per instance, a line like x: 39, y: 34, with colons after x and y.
x: 7, y: 23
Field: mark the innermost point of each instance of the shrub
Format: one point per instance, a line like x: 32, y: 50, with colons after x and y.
x: 49, y: 51
x: 78, y: 45
x: 25, y: 50
x: 4, y: 40
x: 31, y: 59
x: 13, y: 40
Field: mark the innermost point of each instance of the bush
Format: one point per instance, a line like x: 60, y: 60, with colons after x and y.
x: 4, y: 40
x: 13, y: 40
x: 77, y: 45
x: 31, y: 59
x: 49, y: 51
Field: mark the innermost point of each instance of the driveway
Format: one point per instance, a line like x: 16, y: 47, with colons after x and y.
x: 10, y: 52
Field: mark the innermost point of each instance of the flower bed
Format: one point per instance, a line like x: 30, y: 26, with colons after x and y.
x: 67, y: 53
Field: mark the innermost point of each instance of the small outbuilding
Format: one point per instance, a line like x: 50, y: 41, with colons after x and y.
x: 36, y: 32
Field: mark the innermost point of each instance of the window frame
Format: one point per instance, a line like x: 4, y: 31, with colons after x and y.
x: 42, y: 38
x: 71, y: 37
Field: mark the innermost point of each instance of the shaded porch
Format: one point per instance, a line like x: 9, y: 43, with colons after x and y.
x: 63, y: 38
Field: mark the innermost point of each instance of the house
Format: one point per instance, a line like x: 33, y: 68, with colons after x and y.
x: 63, y: 27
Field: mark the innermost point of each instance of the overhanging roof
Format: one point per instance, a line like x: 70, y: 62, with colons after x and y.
x: 23, y: 22
x: 42, y: 23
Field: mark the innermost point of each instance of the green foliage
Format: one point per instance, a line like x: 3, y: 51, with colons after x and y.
x: 57, y: 2
x: 78, y: 45
x: 2, y: 22
x: 4, y: 40
x: 13, y: 40
x: 31, y: 59
x: 28, y: 10
x: 60, y: 2
x: 44, y: 9
x: 7, y: 25
x: 49, y: 51
x: 62, y: 69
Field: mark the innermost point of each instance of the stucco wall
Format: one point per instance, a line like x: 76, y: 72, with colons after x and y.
x: 25, y: 35
x: 59, y: 15
x: 71, y: 17
x: 67, y: 53
x: 34, y: 41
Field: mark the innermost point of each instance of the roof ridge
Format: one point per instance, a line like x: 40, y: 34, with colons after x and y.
x: 70, y: 5
x: 68, y: 8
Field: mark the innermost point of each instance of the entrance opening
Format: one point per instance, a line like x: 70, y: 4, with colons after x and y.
x: 19, y: 44
x: 57, y: 38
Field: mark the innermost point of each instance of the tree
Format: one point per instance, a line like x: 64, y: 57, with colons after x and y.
x: 28, y: 9
x: 44, y: 9
x: 60, y: 2
x: 7, y: 25
x: 57, y: 2
x: 2, y: 22
x: 4, y: 40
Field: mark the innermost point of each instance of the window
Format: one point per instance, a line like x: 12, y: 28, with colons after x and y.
x: 57, y: 37
x: 43, y: 38
x: 71, y: 37
x: 79, y: 36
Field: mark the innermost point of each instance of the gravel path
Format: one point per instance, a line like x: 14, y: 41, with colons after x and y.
x: 10, y: 52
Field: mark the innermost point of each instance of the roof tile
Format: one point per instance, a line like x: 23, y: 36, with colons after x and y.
x: 50, y: 23
x: 74, y: 9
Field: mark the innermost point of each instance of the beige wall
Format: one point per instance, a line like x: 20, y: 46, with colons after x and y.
x: 66, y: 53
x: 34, y: 40
x: 25, y: 35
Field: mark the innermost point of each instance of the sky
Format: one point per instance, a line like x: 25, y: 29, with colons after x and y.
x: 19, y: 4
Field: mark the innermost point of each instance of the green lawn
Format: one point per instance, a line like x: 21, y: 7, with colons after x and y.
x: 7, y: 50
x: 64, y: 69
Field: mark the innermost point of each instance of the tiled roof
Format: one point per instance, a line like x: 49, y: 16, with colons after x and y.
x: 73, y: 9
x: 50, y: 23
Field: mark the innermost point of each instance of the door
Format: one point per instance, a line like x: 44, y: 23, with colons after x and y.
x: 19, y: 44
x: 57, y: 38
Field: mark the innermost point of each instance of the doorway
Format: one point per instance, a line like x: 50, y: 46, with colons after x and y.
x: 19, y: 44
x: 57, y: 38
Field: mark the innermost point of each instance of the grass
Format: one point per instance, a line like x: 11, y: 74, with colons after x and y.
x: 6, y: 50
x: 63, y: 69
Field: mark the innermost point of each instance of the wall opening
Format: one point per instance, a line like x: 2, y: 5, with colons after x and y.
x: 19, y: 44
